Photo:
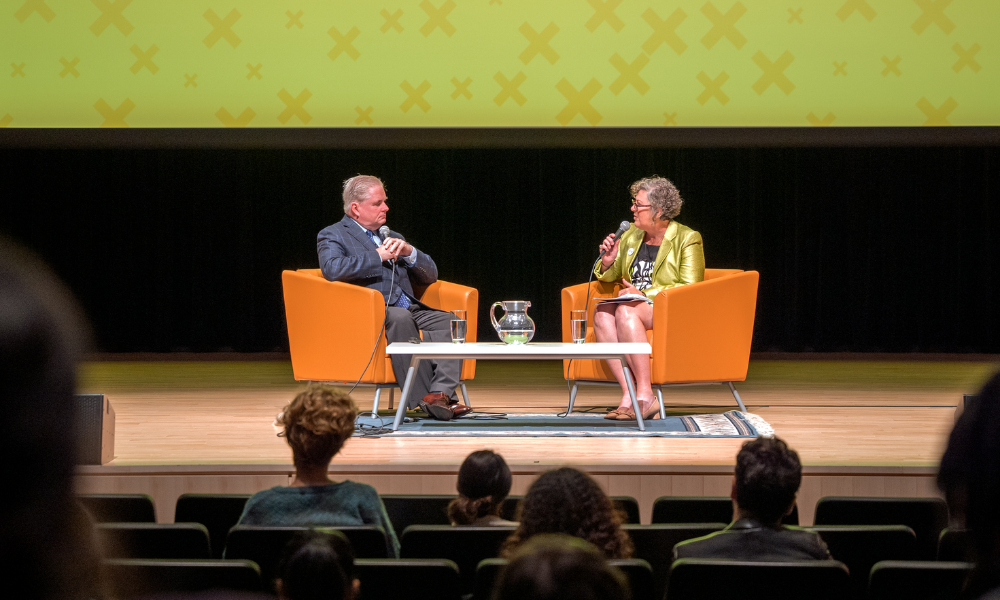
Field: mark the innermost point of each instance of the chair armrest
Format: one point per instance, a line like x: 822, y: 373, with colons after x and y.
x: 575, y: 297
x: 445, y: 295
x: 332, y: 327
x: 702, y: 331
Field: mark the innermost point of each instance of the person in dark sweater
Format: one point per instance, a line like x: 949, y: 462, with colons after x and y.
x: 317, y: 423
x: 766, y: 483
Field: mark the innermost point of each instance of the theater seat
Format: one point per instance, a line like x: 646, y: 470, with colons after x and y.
x: 152, y: 540
x: 917, y: 580
x: 655, y: 544
x: 925, y: 516
x: 408, y: 579
x: 707, y: 579
x: 702, y: 509
x: 466, y: 546
x: 636, y: 570
x: 955, y: 545
x: 861, y: 546
x: 406, y: 510
x: 135, y: 578
x: 217, y: 512
x: 626, y: 504
x: 119, y: 508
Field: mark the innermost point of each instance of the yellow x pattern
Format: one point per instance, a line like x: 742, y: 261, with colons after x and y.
x: 664, y: 31
x: 723, y: 25
x: 795, y: 16
x: 629, y: 74
x: 538, y: 43
x: 578, y: 102
x: 254, y: 71
x: 6, y: 120
x: 937, y: 116
x: 840, y: 68
x: 69, y: 67
x: 713, y: 88
x: 391, y: 21
x: 509, y: 88
x: 461, y: 88
x: 604, y: 12
x: 415, y: 96
x: 111, y: 14
x: 344, y: 43
x: 144, y: 59
x: 294, y: 106
x: 294, y: 19
x: 773, y: 73
x: 891, y: 66
x: 966, y: 58
x: 18, y: 70
x: 114, y: 117
x: 669, y: 119
x: 241, y: 121
x: 190, y: 80
x: 933, y: 13
x: 35, y: 6
x: 364, y: 115
x: 437, y: 18
x: 860, y: 6
x: 221, y: 28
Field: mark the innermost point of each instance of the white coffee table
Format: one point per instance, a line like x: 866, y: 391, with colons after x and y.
x: 501, y: 351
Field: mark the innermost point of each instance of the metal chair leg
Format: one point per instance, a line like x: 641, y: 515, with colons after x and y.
x: 378, y: 394
x: 392, y: 392
x: 737, y: 396
x: 465, y: 393
x: 572, y: 396
x: 659, y: 397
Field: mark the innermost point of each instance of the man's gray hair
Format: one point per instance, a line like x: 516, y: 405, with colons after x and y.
x: 664, y: 199
x: 358, y: 189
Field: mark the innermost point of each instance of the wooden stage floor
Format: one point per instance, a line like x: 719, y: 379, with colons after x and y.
x: 861, y: 427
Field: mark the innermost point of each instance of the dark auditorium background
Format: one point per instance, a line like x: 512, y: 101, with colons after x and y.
x: 859, y: 249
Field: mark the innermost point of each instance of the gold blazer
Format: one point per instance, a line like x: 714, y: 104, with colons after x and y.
x: 680, y: 260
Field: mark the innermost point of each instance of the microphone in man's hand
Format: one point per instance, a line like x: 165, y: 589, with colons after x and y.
x: 622, y: 228
x: 383, y: 232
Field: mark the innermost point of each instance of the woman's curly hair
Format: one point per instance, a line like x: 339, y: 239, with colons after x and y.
x: 569, y: 501
x: 664, y: 199
x: 317, y: 422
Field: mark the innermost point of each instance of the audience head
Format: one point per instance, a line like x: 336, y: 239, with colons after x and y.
x: 664, y: 199
x: 358, y: 188
x: 46, y: 539
x: 970, y: 478
x: 317, y: 422
x: 768, y: 474
x: 317, y: 566
x: 555, y: 566
x: 484, y: 481
x: 569, y: 501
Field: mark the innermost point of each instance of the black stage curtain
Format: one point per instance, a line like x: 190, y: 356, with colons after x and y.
x: 859, y: 249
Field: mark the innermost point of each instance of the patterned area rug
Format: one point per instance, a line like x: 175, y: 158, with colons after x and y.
x: 729, y: 424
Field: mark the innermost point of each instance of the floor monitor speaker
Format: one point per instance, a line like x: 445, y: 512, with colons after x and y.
x: 95, y: 429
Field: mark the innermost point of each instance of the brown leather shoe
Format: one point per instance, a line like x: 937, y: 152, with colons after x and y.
x: 439, y: 398
x: 460, y: 409
x: 438, y: 412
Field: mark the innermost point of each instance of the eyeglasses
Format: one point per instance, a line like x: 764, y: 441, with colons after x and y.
x: 638, y: 206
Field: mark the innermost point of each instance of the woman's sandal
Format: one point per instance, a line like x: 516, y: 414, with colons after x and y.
x: 629, y: 415
x: 612, y: 414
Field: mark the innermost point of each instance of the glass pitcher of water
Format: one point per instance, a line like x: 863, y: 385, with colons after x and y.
x: 515, y: 326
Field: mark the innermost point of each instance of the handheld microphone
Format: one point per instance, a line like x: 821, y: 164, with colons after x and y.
x: 383, y: 232
x: 622, y: 228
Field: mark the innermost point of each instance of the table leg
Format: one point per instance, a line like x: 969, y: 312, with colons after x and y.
x: 401, y: 411
x: 631, y: 393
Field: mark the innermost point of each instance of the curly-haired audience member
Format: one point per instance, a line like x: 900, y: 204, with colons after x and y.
x: 317, y: 423
x: 970, y: 478
x: 569, y: 501
x: 555, y: 566
x: 317, y: 566
x: 766, y: 483
x: 484, y: 481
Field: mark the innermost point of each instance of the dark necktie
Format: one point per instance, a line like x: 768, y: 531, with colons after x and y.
x: 403, y: 301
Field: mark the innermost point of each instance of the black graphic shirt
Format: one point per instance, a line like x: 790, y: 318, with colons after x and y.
x: 642, y: 267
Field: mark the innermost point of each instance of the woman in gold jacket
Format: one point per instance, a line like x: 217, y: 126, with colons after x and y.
x: 655, y: 254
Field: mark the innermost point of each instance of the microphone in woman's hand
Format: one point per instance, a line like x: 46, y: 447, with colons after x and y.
x: 622, y: 228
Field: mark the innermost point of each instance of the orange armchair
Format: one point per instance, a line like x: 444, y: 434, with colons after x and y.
x: 701, y: 332
x: 332, y: 327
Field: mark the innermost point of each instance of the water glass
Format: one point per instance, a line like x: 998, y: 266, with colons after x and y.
x: 578, y: 325
x: 458, y: 325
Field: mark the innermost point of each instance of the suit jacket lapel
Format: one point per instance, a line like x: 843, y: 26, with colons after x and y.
x: 355, y: 230
x: 665, y: 246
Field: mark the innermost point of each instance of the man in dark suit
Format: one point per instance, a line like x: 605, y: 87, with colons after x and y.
x: 768, y: 474
x: 353, y: 251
